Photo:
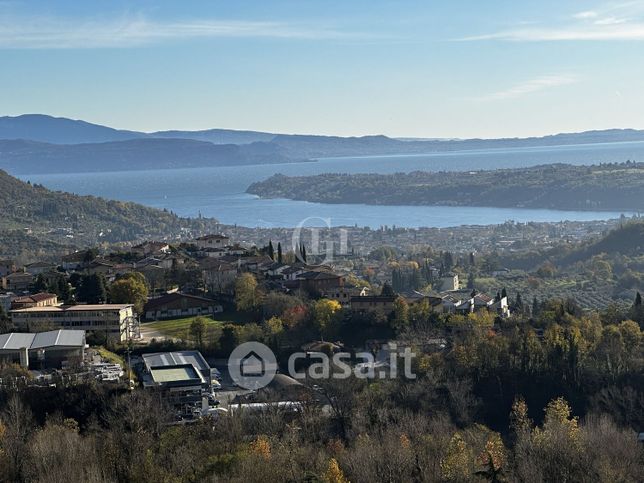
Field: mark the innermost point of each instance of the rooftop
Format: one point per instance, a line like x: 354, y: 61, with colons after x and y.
x: 170, y: 359
x: 76, y: 308
x: 175, y: 374
x: 42, y: 340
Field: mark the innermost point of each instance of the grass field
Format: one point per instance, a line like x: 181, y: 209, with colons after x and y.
x: 180, y: 328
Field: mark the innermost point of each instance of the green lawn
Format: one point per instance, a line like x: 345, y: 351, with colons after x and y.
x: 180, y: 328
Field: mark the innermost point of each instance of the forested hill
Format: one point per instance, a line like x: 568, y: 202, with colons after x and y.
x: 554, y: 186
x: 82, y: 220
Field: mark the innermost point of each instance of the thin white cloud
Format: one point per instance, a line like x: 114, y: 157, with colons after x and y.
x: 531, y: 86
x: 61, y: 33
x: 615, y: 31
x: 614, y: 21
x: 586, y: 14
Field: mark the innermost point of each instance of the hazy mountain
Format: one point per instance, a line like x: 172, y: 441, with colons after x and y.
x: 47, y: 129
x: 328, y: 146
x: 59, y: 130
x: 218, y: 136
x: 27, y: 157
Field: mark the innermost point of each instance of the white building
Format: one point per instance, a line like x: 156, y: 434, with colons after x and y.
x: 109, y: 320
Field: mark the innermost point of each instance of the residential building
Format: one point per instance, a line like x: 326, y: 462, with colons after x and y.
x: 109, y: 320
x: 150, y: 248
x: 17, y: 282
x: 343, y: 295
x: 218, y: 276
x: 370, y: 303
x: 39, y: 268
x: 7, y: 267
x: 319, y: 281
x: 212, y: 241
x: 76, y: 260
x: 36, y: 300
x: 448, y: 282
x: 175, y: 305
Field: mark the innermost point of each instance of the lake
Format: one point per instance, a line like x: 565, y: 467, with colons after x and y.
x: 220, y: 191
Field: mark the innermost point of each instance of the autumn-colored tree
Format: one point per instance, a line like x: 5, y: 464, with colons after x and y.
x: 492, y: 459
x: 130, y: 289
x: 324, y: 312
x: 333, y: 473
x: 246, y: 292
x: 456, y: 465
x: 261, y: 447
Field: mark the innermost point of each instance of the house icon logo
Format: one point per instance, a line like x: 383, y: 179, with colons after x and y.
x: 252, y: 365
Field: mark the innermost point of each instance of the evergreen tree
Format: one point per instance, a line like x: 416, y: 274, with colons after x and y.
x: 518, y: 303
x: 504, y: 293
x: 92, y: 289
x: 535, y: 306
x: 387, y: 291
x: 271, y: 251
x: 279, y: 252
x: 40, y: 285
x: 470, y: 281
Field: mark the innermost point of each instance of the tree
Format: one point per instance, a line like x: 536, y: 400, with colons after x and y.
x: 334, y: 474
x: 271, y: 251
x: 246, y: 292
x: 279, y: 252
x: 324, y: 312
x: 637, y: 311
x: 387, y: 291
x: 40, y: 285
x: 518, y: 303
x: 401, y: 314
x: 92, y: 289
x: 470, y: 280
x: 130, y: 289
x: 504, y: 293
x: 18, y: 424
x: 535, y: 306
x: 198, y: 330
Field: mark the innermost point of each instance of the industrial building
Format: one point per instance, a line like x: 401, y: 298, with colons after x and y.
x: 183, y: 378
x: 43, y: 350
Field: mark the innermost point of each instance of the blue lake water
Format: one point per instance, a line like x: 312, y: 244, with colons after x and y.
x: 220, y: 191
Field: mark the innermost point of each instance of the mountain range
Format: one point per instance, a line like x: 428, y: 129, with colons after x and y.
x: 36, y: 143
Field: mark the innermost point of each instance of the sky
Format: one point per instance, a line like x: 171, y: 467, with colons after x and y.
x: 449, y: 69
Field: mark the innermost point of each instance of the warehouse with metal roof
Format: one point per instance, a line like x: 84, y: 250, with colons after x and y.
x: 43, y: 349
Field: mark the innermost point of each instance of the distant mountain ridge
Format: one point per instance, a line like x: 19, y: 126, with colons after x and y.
x: 29, y: 157
x: 64, y: 145
x: 60, y: 130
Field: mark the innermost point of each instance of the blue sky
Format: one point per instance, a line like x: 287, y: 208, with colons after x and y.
x: 401, y: 68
